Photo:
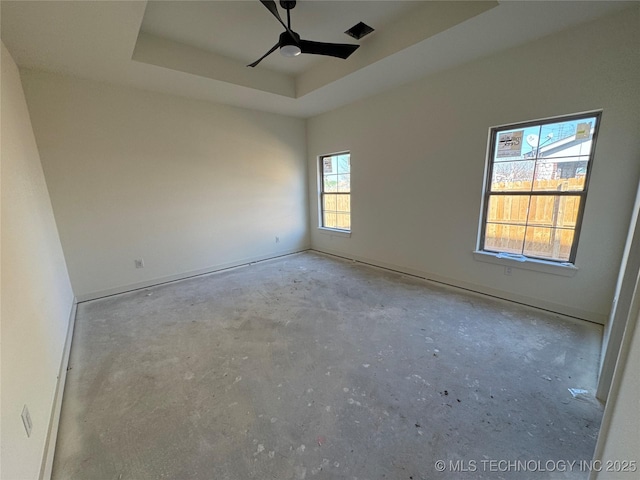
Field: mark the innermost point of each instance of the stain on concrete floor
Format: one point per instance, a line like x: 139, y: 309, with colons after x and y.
x: 314, y: 367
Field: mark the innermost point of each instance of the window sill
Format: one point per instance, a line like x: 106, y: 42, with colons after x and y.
x: 562, y: 269
x: 334, y: 232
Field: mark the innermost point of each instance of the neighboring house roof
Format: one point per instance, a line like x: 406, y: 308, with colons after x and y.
x: 567, y: 149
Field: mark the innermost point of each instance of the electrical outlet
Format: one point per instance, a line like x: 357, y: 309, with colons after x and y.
x: 277, y: 239
x: 507, y: 270
x: 26, y: 420
x: 139, y: 262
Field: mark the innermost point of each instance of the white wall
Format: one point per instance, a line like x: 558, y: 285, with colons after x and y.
x: 36, y: 292
x: 418, y: 156
x: 186, y: 185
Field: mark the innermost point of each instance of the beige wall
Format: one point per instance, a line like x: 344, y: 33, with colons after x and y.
x: 188, y: 186
x: 418, y: 157
x: 36, y: 293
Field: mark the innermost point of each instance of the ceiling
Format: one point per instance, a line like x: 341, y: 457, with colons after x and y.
x: 254, y: 30
x: 200, y: 49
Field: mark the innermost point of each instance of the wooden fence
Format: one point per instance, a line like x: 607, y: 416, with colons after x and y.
x: 337, y: 211
x: 548, y: 233
x: 549, y: 230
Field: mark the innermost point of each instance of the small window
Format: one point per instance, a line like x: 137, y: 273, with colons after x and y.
x: 536, y: 187
x: 335, y: 191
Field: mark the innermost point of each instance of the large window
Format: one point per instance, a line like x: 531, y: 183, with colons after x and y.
x: 335, y: 191
x: 536, y: 187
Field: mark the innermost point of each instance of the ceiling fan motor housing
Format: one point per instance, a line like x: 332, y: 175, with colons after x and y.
x: 287, y: 38
x: 287, y: 4
x: 290, y: 44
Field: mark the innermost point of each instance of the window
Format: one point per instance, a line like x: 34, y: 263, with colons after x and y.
x: 335, y: 191
x: 536, y: 187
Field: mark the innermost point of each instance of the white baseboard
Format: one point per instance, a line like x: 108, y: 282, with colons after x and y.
x: 184, y: 275
x: 54, y: 420
x: 474, y: 288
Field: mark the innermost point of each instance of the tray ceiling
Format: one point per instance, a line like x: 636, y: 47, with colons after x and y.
x: 200, y: 49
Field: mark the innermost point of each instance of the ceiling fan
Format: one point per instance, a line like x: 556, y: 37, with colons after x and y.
x: 290, y: 43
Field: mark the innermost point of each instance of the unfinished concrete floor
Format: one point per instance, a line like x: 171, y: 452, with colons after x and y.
x: 314, y: 367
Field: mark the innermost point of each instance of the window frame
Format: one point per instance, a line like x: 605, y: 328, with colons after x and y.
x: 321, y: 193
x: 487, y: 193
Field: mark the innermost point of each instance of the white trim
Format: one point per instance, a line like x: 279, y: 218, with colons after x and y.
x: 626, y: 288
x: 556, y: 308
x: 618, y: 374
x: 525, y: 263
x: 54, y: 420
x: 182, y: 276
x: 334, y: 232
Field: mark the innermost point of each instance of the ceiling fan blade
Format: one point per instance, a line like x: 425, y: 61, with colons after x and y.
x: 340, y: 50
x: 273, y: 8
x: 273, y: 49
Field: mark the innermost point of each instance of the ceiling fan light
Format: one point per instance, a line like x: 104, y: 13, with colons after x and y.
x: 290, y: 50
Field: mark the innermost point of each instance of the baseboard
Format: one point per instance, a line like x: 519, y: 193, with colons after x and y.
x: 184, y: 275
x: 54, y: 420
x: 474, y: 288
